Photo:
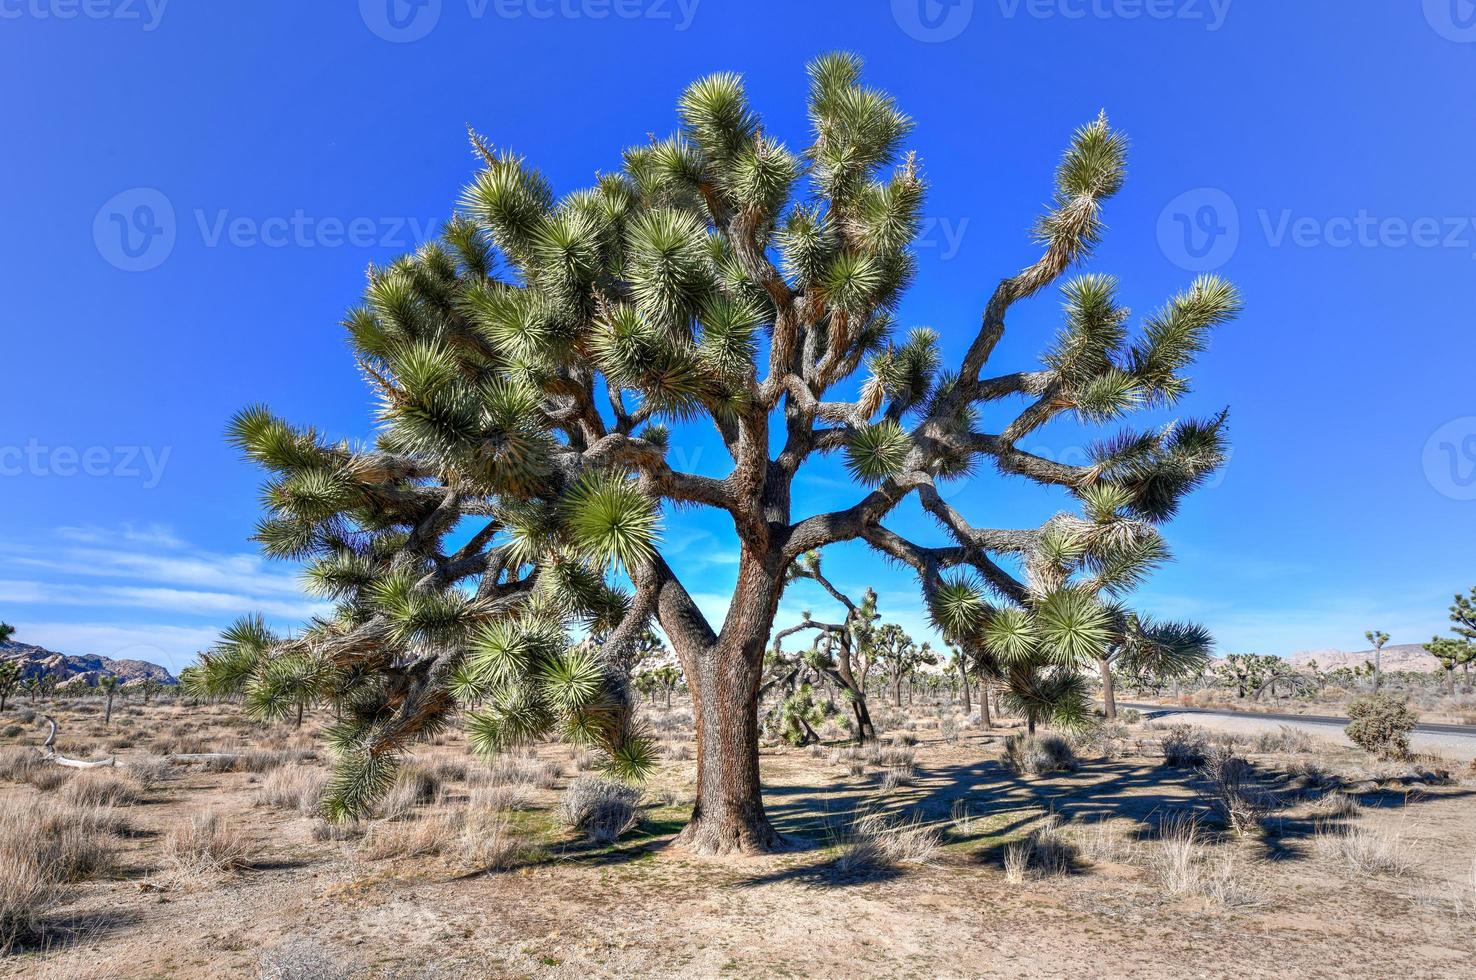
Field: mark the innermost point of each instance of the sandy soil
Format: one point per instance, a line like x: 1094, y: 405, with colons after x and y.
x: 640, y: 908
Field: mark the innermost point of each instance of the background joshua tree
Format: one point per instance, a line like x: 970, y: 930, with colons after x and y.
x: 1451, y: 653
x: 899, y: 657
x: 6, y: 632
x: 1378, y: 638
x: 109, y: 686
x: 521, y: 452
x: 10, y: 676
x: 1138, y: 646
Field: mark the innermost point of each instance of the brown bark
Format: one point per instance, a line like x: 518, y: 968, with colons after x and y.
x: 984, y: 694
x: 968, y: 707
x: 1109, y: 690
x: 724, y: 677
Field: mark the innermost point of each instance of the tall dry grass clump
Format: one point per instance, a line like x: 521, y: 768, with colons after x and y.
x: 875, y: 842
x: 601, y: 809
x: 297, y: 788
x: 43, y: 846
x: 207, y: 844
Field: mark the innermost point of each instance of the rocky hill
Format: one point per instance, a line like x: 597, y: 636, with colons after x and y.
x: 1399, y: 657
x: 37, y: 660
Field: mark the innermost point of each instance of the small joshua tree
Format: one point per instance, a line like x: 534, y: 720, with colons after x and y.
x: 528, y: 367
x: 10, y: 675
x: 1377, y: 638
x: 6, y: 632
x: 109, y: 686
x: 1451, y: 653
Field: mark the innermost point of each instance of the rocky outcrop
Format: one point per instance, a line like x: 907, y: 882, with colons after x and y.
x: 90, y: 669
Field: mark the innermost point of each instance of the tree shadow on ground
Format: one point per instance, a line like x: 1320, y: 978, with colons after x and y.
x: 1000, y: 807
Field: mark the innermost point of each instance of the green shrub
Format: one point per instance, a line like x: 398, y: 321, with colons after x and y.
x: 1381, y: 724
x: 1039, y: 754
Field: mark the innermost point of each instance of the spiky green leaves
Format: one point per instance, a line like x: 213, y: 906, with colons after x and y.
x: 510, y: 200
x: 609, y: 519
x: 1096, y: 162
x: 1072, y: 626
x: 1176, y: 334
x: 877, y: 452
x: 667, y: 266
x: 959, y: 607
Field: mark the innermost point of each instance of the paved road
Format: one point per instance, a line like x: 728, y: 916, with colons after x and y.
x: 1154, y: 710
x: 1452, y: 741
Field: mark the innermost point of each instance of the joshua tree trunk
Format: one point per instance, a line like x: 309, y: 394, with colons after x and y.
x: 724, y: 675
x: 108, y: 713
x: 984, y: 692
x: 1109, y: 692
x: 968, y: 707
x: 299, y: 715
x: 897, y: 691
x: 668, y: 698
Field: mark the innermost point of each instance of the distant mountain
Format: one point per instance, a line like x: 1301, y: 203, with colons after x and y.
x: 1409, y: 657
x: 37, y: 660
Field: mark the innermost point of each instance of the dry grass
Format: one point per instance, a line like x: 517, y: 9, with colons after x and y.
x: 297, y: 788
x: 1100, y: 842
x: 42, y: 847
x: 1039, y: 754
x: 875, y: 842
x: 601, y: 809
x: 1368, y: 853
x: 98, y: 788
x: 1176, y: 856
x: 207, y: 844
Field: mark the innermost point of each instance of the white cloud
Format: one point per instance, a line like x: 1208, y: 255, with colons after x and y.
x: 149, y: 535
x: 173, y: 647
x: 179, y: 601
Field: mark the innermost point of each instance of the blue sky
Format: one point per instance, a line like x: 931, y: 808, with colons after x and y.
x: 192, y: 190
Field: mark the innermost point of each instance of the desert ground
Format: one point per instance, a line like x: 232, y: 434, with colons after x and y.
x: 932, y: 854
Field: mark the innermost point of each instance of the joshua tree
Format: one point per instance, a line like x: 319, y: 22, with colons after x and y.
x: 1248, y: 672
x: 6, y: 632
x: 1378, y: 638
x: 1451, y: 653
x: 843, y: 652
x: 664, y: 678
x: 900, y: 657
x: 700, y: 285
x: 10, y: 675
x: 109, y: 686
x: 958, y: 661
x: 1140, y: 646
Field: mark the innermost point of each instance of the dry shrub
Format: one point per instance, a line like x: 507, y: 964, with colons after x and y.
x: 257, y: 760
x: 1175, y: 859
x: 178, y: 743
x: 1285, y: 739
x: 897, y: 777
x: 486, y: 841
x: 962, y: 816
x: 324, y: 830
x: 98, y: 788
x: 1045, y: 848
x: 149, y: 771
x: 1333, y: 811
x: 1038, y: 754
x: 875, y: 842
x: 1184, y: 746
x: 1367, y: 852
x: 43, y: 846
x: 502, y: 796
x: 681, y: 751
x: 1102, y: 740
x: 304, y: 959
x: 207, y: 844
x: 19, y: 762
x: 1222, y: 885
x: 413, y: 786
x: 1381, y: 724
x: 1099, y: 842
x: 297, y: 788
x: 895, y: 756
x: 1235, y: 796
x: 524, y: 769
x: 601, y: 809
x: 949, y: 729
x: 429, y: 835
x: 49, y: 777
